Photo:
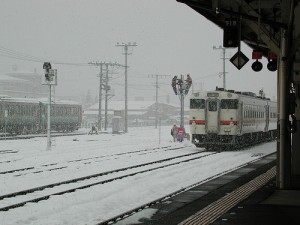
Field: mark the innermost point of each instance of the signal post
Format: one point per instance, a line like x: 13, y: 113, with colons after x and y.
x: 49, y: 79
x: 181, y: 92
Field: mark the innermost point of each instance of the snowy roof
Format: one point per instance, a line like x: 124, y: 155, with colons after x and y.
x: 111, y: 112
x: 5, y: 98
x: 120, y: 105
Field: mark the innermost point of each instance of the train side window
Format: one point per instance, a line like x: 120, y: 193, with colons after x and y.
x: 229, y: 104
x: 197, y: 103
x: 17, y: 110
x: 11, y: 110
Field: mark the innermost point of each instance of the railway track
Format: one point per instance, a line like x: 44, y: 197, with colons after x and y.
x: 16, y: 199
x: 88, y: 160
x: 131, y: 212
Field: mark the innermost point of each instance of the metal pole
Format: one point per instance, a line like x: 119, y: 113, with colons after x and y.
x: 126, y: 90
x: 159, y: 132
x: 224, y: 63
x: 224, y: 71
x: 284, y: 138
x: 49, y: 121
x: 181, y: 105
x: 106, y: 97
x: 100, y: 98
x: 156, y: 103
x: 126, y: 85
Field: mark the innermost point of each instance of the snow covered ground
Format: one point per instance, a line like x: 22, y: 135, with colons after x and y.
x: 76, y: 156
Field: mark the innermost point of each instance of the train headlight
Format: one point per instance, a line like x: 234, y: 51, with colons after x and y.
x: 227, y: 130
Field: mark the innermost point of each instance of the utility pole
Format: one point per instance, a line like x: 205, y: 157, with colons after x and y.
x: 125, y: 46
x: 106, y: 98
x: 156, y: 95
x: 101, y: 86
x: 100, y: 91
x: 224, y: 71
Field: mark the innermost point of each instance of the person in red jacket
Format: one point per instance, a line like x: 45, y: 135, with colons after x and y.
x: 181, y: 133
x: 188, y: 83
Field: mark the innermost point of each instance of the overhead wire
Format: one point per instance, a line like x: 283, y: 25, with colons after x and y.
x: 9, y: 53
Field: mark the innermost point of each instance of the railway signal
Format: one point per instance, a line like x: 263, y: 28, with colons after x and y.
x: 257, y: 65
x: 239, y: 60
x: 272, y: 61
x: 181, y: 89
x: 50, y: 79
x: 231, y: 33
x: 47, y: 67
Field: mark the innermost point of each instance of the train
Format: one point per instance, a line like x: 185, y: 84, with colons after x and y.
x: 228, y: 119
x: 29, y: 115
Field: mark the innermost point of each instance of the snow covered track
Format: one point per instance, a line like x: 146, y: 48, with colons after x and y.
x: 89, y: 160
x: 152, y: 169
x: 171, y: 195
x: 12, y: 196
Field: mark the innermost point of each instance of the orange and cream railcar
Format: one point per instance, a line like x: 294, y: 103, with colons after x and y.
x: 227, y: 119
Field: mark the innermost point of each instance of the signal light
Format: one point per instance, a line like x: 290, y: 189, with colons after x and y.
x: 256, y: 54
x: 47, y: 66
x: 272, y: 65
x: 257, y: 66
x: 272, y: 61
x: 47, y: 76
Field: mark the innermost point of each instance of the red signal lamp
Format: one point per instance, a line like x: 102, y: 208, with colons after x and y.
x: 272, y: 55
x: 256, y: 54
x: 272, y: 61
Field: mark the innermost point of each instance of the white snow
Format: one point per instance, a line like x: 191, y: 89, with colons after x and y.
x: 81, y: 155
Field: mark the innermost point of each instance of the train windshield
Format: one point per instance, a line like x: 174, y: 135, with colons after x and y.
x: 229, y: 104
x: 197, y: 103
x: 212, y: 106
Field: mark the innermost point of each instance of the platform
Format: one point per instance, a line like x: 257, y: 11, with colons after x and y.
x: 246, y: 196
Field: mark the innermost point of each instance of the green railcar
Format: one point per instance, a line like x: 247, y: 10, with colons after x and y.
x: 26, y: 115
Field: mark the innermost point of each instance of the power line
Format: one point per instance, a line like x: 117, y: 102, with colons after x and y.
x: 9, y: 53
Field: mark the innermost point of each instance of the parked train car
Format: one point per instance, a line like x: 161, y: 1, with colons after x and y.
x: 228, y: 120
x: 27, y: 115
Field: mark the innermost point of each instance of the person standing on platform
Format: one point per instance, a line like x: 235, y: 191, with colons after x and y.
x: 174, y: 132
x: 181, y: 133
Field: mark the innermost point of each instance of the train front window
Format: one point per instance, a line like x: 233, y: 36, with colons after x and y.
x: 197, y: 103
x: 229, y: 104
x: 212, y: 106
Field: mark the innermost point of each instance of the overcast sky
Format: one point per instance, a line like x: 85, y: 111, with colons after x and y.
x: 172, y: 40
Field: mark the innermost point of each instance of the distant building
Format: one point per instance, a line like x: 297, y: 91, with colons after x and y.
x: 140, y: 113
x: 23, y: 84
